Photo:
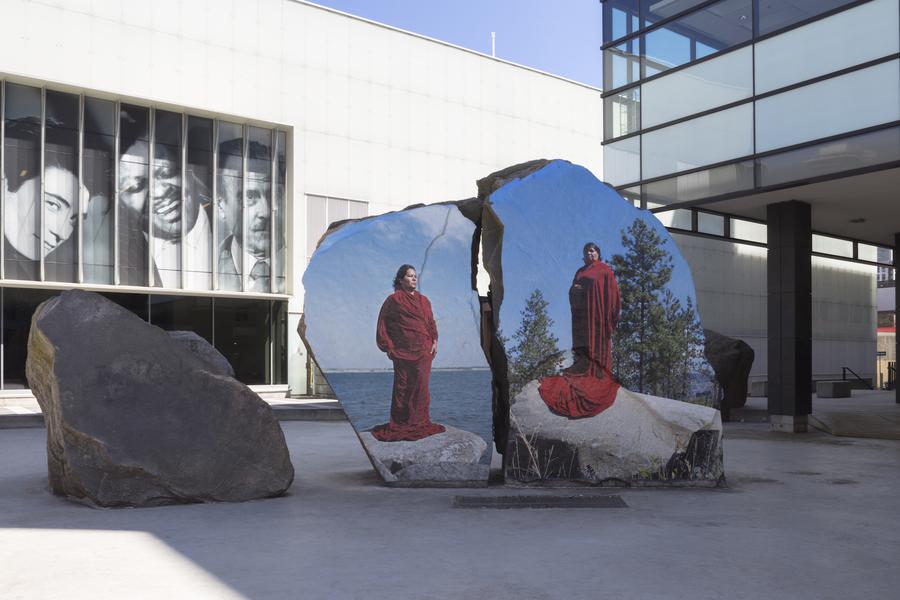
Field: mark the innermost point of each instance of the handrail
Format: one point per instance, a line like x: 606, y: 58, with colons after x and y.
x: 863, y: 381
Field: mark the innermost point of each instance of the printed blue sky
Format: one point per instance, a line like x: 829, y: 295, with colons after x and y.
x: 547, y: 218
x: 561, y: 37
x: 350, y: 276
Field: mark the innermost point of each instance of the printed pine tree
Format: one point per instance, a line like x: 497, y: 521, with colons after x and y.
x: 533, y: 351
x: 658, y: 344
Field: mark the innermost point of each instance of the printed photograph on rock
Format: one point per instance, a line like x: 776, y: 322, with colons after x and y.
x: 393, y: 323
x: 608, y: 383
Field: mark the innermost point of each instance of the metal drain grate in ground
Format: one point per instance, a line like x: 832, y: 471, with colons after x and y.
x: 539, y: 502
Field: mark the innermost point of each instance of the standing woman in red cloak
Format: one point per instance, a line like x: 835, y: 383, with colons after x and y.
x: 588, y: 387
x: 408, y: 334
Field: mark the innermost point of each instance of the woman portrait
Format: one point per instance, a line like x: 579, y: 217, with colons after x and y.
x: 588, y: 387
x: 407, y: 332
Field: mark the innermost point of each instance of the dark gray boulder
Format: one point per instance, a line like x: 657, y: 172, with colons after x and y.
x: 731, y: 359
x: 199, y: 346
x: 135, y: 418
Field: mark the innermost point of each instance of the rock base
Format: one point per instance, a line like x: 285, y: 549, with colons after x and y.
x: 451, y: 457
x: 639, y: 440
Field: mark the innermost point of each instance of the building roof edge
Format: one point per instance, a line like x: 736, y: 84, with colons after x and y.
x: 443, y: 43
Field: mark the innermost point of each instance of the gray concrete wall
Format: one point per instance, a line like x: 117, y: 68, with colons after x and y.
x: 730, y: 279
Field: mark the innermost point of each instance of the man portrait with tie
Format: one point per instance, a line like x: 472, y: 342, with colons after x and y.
x: 237, y: 255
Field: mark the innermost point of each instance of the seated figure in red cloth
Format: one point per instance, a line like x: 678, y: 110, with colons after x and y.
x: 407, y: 332
x: 588, y: 387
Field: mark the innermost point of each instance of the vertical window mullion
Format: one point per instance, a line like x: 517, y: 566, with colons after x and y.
x: 273, y: 273
x: 2, y: 185
x: 41, y: 215
x: 150, y: 191
x: 116, y: 150
x: 245, y: 130
x: 79, y: 252
x: 184, y: 232
x: 215, y: 201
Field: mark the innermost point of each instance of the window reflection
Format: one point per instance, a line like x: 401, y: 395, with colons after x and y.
x: 777, y: 14
x: 61, y: 192
x: 166, y: 200
x: 229, y: 209
x: 198, y: 191
x: 21, y: 167
x: 97, y: 173
x: 134, y: 180
x: 698, y: 34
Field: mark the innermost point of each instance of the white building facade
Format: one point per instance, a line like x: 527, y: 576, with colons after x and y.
x: 183, y: 156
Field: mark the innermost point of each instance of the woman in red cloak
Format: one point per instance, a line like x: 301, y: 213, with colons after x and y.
x: 407, y: 332
x: 588, y: 387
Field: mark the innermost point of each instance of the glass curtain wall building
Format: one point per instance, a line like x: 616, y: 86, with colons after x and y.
x: 705, y: 101
x: 176, y: 217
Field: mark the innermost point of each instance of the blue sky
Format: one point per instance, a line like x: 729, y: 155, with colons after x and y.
x: 562, y: 37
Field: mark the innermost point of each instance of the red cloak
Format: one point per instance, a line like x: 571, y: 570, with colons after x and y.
x: 406, y: 331
x: 588, y: 387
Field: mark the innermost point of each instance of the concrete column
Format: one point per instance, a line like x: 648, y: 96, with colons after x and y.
x: 896, y: 313
x: 790, y: 315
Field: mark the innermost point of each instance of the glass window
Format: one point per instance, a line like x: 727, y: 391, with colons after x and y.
x: 829, y: 245
x: 622, y: 161
x: 701, y: 184
x: 280, y: 208
x: 680, y: 218
x: 716, y: 82
x: 632, y: 195
x: 18, y: 307
x: 134, y: 181
x: 621, y: 64
x: 229, y: 211
x: 776, y: 14
x: 622, y: 113
x: 358, y: 209
x: 21, y: 169
x: 717, y: 137
x: 167, y: 209
x: 852, y: 37
x: 98, y: 175
x: 867, y: 252
x: 698, y: 34
x: 338, y: 210
x: 855, y: 152
x: 885, y: 256
x: 183, y: 313
x: 853, y: 101
x: 198, y: 205
x: 61, y: 192
x: 710, y: 223
x: 620, y: 18
x: 749, y: 231
x: 657, y: 10
x: 258, y: 211
x: 242, y: 330
x: 279, y: 342
x: 316, y: 222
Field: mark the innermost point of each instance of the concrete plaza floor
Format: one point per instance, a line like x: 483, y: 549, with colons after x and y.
x: 804, y: 516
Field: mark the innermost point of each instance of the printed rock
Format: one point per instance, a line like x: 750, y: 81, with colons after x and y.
x: 394, y: 324
x: 596, y: 313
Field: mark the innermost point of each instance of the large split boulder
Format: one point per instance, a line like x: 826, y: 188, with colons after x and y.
x: 136, y: 418
x: 639, y: 440
x: 731, y: 359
